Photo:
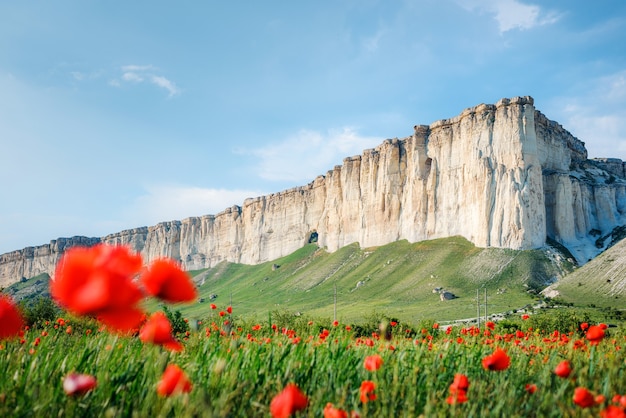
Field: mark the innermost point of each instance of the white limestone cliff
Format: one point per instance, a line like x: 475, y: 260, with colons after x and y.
x: 499, y: 175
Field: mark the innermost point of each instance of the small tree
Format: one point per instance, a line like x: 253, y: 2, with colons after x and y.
x: 179, y: 325
x: 40, y: 310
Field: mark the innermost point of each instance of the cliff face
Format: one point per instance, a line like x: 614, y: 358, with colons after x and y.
x: 499, y: 175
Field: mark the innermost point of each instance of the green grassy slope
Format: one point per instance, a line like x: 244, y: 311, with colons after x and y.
x: 397, y: 279
x: 30, y: 289
x: 601, y: 282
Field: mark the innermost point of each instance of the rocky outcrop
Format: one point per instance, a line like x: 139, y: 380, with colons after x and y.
x: 33, y: 261
x: 499, y: 175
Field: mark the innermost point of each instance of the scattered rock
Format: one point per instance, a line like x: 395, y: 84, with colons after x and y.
x: 447, y: 296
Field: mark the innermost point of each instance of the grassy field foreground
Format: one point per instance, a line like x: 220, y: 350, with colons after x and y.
x: 236, y: 368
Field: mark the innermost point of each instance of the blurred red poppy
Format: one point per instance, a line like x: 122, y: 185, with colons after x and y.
x: 367, y: 391
x: 460, y: 383
x: 595, y: 334
x: 11, y: 320
x: 166, y: 280
x: 78, y: 384
x: 613, y: 411
x: 498, y: 360
x: 331, y: 412
x: 173, y: 381
x: 290, y: 400
x: 99, y: 281
x: 158, y: 330
x: 530, y: 388
x: 583, y: 398
x: 373, y: 362
x: 563, y: 369
x: 459, y: 396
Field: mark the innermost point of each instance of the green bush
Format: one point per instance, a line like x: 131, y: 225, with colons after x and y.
x: 39, y: 311
x: 562, y: 320
x: 179, y: 325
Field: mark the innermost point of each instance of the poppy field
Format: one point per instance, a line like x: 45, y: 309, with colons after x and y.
x: 107, y: 357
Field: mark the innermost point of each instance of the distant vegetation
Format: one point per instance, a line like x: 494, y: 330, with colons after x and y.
x: 400, y: 280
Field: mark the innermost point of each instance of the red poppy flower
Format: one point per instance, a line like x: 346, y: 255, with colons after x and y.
x: 460, y: 383
x: 583, y: 398
x: 290, y: 400
x: 166, y: 280
x: 563, y: 369
x: 229, y: 309
x: 158, y: 330
x: 620, y: 399
x: 11, y: 320
x: 595, y: 334
x: 491, y: 325
x: 98, y: 281
x: 525, y: 317
x: 460, y: 396
x: 613, y: 411
x: 331, y: 412
x: 78, y: 384
x: 373, y: 363
x: 173, y: 381
x: 498, y: 360
x: 530, y: 388
x: 367, y: 391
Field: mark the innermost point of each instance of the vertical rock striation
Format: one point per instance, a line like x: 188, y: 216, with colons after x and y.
x: 499, y: 175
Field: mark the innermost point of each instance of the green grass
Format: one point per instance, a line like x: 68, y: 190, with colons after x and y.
x: 238, y: 374
x: 398, y: 279
x: 599, y: 283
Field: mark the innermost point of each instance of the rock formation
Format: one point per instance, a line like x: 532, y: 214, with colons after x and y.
x: 499, y: 175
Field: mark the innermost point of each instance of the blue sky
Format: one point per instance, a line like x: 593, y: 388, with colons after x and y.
x: 116, y: 115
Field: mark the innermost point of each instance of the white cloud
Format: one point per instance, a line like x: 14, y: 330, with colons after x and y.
x: 308, y: 154
x: 86, y: 75
x: 132, y: 77
x: 141, y: 68
x: 166, y: 84
x: 176, y: 202
x: 145, y: 73
x: 512, y: 14
x: 597, y: 116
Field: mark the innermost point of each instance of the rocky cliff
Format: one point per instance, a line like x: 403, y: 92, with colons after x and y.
x: 499, y: 175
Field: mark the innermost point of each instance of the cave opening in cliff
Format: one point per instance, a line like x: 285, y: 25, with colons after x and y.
x: 427, y: 165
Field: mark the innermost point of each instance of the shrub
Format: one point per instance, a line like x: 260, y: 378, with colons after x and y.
x: 37, y: 312
x: 179, y: 325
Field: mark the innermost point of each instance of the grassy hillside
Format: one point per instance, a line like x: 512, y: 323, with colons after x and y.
x: 397, y: 279
x: 27, y: 290
x: 601, y: 282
